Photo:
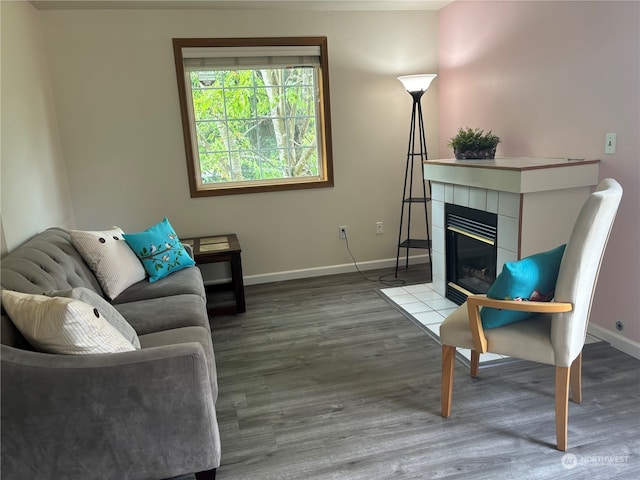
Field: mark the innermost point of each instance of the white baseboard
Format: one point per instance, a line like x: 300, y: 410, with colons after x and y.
x: 616, y: 340
x: 330, y: 270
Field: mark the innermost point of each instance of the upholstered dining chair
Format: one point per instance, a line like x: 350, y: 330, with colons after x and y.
x: 556, y: 333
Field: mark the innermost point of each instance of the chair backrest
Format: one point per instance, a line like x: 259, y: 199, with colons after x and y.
x: 580, y: 267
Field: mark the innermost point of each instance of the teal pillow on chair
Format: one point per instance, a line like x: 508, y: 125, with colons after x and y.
x: 531, y: 278
x: 159, y: 249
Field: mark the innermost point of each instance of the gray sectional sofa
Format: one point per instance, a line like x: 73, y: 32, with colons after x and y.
x: 144, y: 414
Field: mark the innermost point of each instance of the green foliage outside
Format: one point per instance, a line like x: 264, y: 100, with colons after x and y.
x: 255, y: 124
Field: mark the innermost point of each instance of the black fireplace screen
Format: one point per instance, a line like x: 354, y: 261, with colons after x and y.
x: 471, y: 251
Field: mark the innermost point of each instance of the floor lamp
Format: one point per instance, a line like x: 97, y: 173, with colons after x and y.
x: 416, y: 85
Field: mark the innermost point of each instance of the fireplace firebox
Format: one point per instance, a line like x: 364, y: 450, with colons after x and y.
x: 471, y: 251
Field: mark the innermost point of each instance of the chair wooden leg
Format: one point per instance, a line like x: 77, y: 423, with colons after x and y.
x: 448, y: 364
x: 206, y: 475
x: 576, y: 379
x: 475, y: 363
x: 562, y: 406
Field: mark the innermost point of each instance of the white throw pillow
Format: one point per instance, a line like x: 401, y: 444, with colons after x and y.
x: 110, y: 258
x: 62, y: 325
x: 108, y: 311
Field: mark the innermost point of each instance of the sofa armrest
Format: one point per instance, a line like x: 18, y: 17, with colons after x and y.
x: 143, y: 414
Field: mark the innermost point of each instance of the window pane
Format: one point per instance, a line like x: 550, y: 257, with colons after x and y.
x: 260, y: 118
x: 215, y: 167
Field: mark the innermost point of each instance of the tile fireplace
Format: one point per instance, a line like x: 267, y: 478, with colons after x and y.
x: 534, y: 202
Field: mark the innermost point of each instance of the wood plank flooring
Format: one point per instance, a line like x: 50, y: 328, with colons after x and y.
x: 323, y: 379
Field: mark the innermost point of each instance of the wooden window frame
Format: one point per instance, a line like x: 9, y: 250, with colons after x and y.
x: 323, y: 117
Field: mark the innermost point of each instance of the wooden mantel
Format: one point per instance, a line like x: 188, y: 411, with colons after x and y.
x: 515, y: 174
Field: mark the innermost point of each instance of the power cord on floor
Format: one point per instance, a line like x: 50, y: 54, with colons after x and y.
x: 396, y: 282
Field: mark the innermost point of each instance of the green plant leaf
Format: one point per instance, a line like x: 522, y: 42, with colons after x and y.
x: 473, y: 139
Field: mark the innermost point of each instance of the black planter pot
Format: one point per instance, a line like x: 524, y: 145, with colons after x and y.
x: 489, y: 153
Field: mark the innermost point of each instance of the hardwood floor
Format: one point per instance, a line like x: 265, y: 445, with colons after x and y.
x: 323, y: 379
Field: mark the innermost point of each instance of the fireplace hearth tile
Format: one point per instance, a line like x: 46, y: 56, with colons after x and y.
x: 404, y: 299
x: 428, y: 309
x: 427, y: 296
x: 416, y: 307
x: 430, y: 319
x: 441, y: 304
x: 420, y: 288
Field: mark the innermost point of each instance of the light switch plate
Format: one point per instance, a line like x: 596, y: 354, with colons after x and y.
x: 610, y: 143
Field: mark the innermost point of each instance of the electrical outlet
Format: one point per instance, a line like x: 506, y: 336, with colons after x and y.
x: 610, y: 140
x: 342, y: 231
x: 379, y: 228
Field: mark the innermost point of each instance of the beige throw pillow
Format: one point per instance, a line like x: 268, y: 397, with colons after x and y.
x: 108, y: 311
x: 110, y: 258
x: 62, y: 325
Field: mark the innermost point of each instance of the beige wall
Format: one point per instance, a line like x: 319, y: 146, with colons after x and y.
x: 35, y: 193
x: 551, y: 78
x: 115, y: 89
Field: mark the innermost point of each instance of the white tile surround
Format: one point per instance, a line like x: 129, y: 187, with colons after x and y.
x: 525, y: 193
x: 505, y: 204
x: 429, y: 309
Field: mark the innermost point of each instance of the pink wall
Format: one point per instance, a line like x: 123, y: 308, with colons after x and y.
x: 551, y: 78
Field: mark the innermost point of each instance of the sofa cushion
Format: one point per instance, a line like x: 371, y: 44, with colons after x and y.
x: 63, y: 325
x: 114, y: 264
x: 109, y: 312
x: 160, y: 250
x: 185, y: 335
x: 185, y: 281
x: 158, y: 314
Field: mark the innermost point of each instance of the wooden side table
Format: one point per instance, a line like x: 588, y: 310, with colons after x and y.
x: 221, y: 248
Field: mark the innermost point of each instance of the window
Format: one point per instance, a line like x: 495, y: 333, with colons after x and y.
x: 255, y: 114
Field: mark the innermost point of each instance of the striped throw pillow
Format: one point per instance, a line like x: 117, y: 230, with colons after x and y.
x: 110, y: 258
x: 63, y: 325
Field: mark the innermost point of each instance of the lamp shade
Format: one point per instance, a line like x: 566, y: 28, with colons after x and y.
x: 417, y: 83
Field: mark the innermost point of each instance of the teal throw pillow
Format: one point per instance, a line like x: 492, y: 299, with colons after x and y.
x: 160, y: 250
x: 532, y: 278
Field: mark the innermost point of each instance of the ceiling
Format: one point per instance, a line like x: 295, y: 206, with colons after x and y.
x: 243, y: 4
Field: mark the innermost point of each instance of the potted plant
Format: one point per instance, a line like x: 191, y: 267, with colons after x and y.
x: 472, y: 143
